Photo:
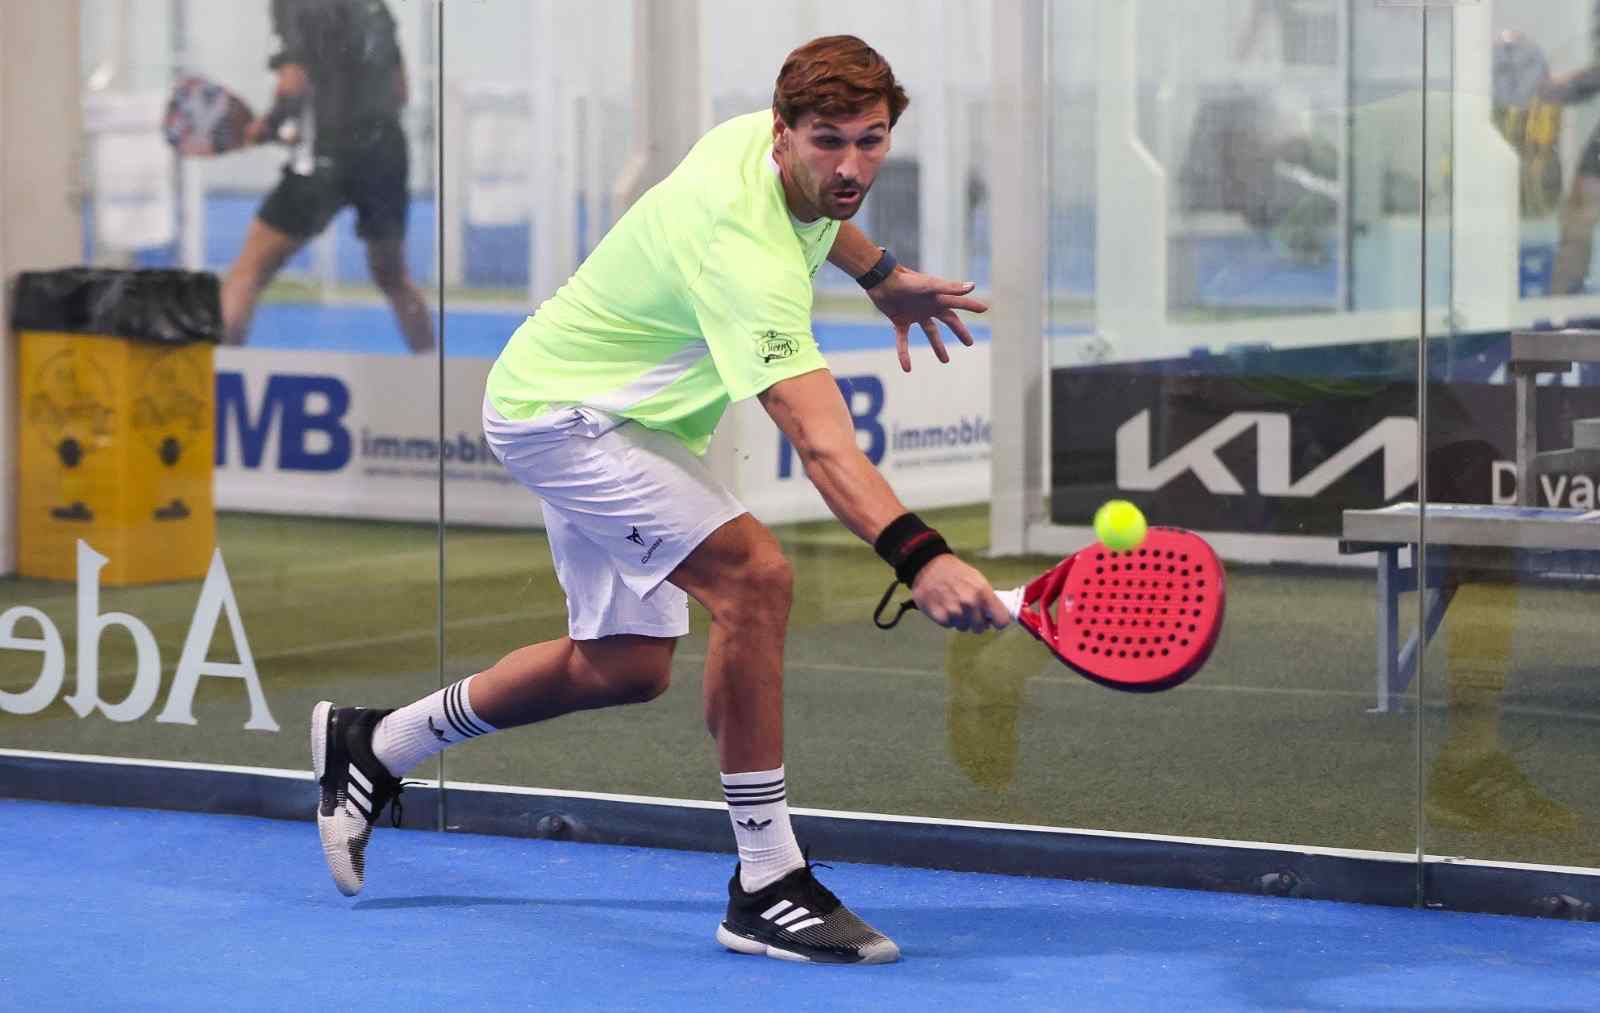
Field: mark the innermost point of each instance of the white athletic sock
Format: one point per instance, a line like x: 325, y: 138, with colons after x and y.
x: 760, y: 815
x: 417, y: 731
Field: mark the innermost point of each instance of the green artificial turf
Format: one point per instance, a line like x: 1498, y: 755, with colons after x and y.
x: 1273, y: 741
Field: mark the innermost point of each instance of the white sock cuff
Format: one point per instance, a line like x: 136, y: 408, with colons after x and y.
x: 755, y: 787
x: 419, y: 730
x: 458, y: 710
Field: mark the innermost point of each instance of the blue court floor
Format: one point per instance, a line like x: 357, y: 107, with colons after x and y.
x: 122, y: 909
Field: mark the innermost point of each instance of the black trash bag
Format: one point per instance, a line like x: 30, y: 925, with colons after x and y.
x: 163, y: 306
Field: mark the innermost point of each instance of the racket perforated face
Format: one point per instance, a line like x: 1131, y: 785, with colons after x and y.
x: 204, y: 118
x: 1141, y: 620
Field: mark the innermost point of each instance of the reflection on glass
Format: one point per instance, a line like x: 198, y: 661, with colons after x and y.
x: 1506, y: 736
x: 1258, y: 181
x: 1507, y: 756
x: 1238, y: 209
x: 340, y: 87
x: 1248, y: 370
x: 320, y: 441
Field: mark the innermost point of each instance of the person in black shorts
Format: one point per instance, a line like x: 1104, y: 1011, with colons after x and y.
x: 341, y: 86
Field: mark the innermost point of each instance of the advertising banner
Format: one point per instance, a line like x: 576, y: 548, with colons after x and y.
x: 358, y: 436
x: 1283, y: 455
x: 928, y: 431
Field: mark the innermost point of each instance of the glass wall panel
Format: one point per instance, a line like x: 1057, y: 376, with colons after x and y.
x: 1264, y: 348
x: 314, y: 429
x: 539, y: 120
x: 1509, y: 702
x: 1254, y: 210
x: 858, y: 700
x: 1246, y: 176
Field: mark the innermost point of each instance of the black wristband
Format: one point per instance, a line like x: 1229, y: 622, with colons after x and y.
x: 879, y: 271
x: 908, y: 545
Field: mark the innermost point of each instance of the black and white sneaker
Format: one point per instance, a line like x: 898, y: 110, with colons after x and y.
x: 355, y: 788
x: 797, y: 918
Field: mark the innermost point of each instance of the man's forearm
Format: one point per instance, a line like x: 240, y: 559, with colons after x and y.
x: 854, y: 491
x: 853, y: 253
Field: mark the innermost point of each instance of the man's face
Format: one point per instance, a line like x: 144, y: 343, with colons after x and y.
x: 829, y: 162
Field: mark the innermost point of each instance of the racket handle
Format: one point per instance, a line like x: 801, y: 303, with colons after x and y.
x: 1012, y: 600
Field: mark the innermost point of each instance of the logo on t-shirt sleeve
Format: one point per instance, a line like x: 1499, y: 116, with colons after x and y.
x: 773, y: 346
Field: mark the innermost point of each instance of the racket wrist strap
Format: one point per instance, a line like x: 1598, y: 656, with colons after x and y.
x: 908, y: 545
x: 284, y: 108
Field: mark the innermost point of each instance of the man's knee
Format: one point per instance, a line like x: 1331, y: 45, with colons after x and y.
x: 387, y: 264
x: 634, y: 669
x: 739, y: 573
x: 645, y: 682
x: 392, y: 282
x: 639, y: 685
x: 762, y: 582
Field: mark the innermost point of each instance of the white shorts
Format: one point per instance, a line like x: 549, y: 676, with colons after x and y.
x: 623, y: 506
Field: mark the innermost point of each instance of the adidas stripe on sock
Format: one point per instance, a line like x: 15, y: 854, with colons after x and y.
x: 417, y: 731
x: 759, y: 811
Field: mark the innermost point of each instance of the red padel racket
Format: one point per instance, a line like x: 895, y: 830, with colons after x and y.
x: 1141, y: 620
x: 204, y: 118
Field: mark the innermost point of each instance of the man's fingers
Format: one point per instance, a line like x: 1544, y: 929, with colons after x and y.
x: 955, y: 324
x: 999, y: 615
x: 952, y: 302
x: 902, y: 344
x: 932, y: 331
x: 955, y: 287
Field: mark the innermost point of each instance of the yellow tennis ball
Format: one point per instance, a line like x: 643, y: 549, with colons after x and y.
x: 1119, y: 525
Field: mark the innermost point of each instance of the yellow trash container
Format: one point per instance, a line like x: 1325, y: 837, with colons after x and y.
x: 117, y: 422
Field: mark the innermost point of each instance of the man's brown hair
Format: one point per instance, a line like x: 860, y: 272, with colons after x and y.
x: 836, y: 75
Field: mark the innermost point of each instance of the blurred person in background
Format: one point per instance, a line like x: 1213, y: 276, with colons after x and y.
x: 1257, y: 151
x: 341, y: 86
x: 1580, y: 212
x: 1528, y: 121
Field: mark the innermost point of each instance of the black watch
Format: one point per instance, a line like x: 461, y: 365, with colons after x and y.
x: 881, y: 270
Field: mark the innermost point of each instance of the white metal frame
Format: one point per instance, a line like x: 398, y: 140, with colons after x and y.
x: 1018, y: 374
x: 41, y: 224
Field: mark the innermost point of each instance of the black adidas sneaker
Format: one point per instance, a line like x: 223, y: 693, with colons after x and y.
x: 355, y: 788
x: 797, y: 918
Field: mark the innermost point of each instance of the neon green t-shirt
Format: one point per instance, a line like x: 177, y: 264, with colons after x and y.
x: 700, y: 295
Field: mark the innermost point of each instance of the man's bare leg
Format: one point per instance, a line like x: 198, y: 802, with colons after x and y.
x: 775, y: 905
x: 386, y: 258
x: 265, y: 251
x: 534, y: 683
x: 1580, y: 213
x: 740, y: 575
x: 358, y: 755
x: 557, y: 677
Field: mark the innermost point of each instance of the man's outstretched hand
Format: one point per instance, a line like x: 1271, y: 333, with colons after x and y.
x: 909, y: 297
